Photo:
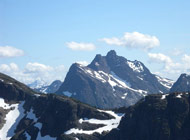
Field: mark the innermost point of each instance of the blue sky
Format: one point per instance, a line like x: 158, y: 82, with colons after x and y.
x: 42, y: 30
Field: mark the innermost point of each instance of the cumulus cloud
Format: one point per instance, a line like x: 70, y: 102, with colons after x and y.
x: 37, y: 67
x: 159, y: 58
x: 8, y: 51
x: 34, y: 72
x: 186, y: 59
x: 81, y: 46
x: 134, y: 40
x: 171, y: 67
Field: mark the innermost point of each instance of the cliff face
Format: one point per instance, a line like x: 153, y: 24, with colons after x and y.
x: 157, y: 117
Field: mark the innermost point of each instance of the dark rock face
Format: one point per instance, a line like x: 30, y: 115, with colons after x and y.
x: 111, y: 81
x: 52, y: 88
x: 155, y: 118
x: 182, y: 84
x: 12, y: 90
x: 45, y: 114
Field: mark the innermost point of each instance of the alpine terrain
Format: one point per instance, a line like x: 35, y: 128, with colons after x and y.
x: 112, y: 81
x: 157, y: 117
x: 27, y: 115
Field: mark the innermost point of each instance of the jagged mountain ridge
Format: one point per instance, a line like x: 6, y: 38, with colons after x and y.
x: 182, y: 84
x: 52, y: 88
x: 47, y: 116
x: 37, y: 84
x: 111, y: 81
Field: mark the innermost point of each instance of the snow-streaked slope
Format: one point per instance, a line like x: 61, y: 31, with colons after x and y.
x: 13, y: 117
x: 165, y: 82
x: 111, y: 78
x: 109, y: 124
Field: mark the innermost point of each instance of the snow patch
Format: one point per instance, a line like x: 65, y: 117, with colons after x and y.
x: 67, y: 93
x: 140, y: 78
x: 122, y: 83
x: 161, y: 91
x: 44, y: 90
x: 37, y: 95
x: 164, y: 96
x: 119, y: 80
x: 109, y: 124
x: 135, y: 66
x: 179, y: 95
x: 12, y: 119
x: 165, y: 82
x: 92, y: 73
x: 97, y: 64
x: 124, y: 95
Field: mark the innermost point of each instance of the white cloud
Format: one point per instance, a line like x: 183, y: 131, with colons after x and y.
x: 171, y: 68
x: 159, y: 58
x: 8, y: 51
x: 81, y: 46
x: 84, y: 63
x: 134, y: 40
x: 34, y: 72
x: 9, y: 68
x: 37, y: 67
x: 177, y: 52
x: 186, y: 58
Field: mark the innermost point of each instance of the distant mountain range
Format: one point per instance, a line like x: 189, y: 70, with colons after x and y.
x: 112, y: 81
x: 37, y: 84
x: 52, y: 88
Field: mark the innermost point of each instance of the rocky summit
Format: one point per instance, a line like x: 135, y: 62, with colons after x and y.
x: 182, y: 84
x: 112, y: 81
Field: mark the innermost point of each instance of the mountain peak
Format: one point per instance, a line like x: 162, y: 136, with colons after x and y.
x: 111, y: 53
x: 182, y: 84
x: 110, y: 81
x: 184, y: 75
